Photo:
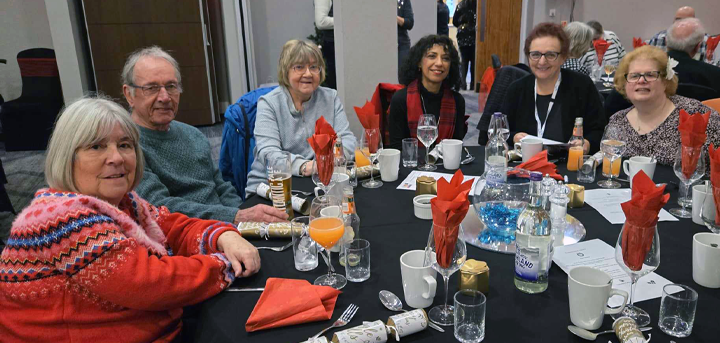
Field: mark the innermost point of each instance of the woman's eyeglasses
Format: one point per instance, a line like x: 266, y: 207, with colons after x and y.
x: 550, y: 55
x: 649, y: 76
x: 300, y: 69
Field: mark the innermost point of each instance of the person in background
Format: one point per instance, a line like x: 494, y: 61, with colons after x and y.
x: 684, y: 38
x: 650, y: 126
x: 286, y: 116
x: 325, y: 22
x: 89, y: 260
x: 465, y: 19
x: 614, y: 53
x: 432, y: 76
x: 660, y: 39
x: 443, y: 18
x: 546, y: 102
x: 405, y: 23
x: 581, y: 37
x: 179, y: 169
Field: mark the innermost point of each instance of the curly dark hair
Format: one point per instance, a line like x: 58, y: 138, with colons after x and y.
x: 410, y: 72
x: 549, y: 30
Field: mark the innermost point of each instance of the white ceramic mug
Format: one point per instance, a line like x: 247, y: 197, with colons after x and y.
x: 530, y: 147
x: 419, y: 282
x: 637, y: 163
x: 389, y: 164
x: 702, y: 204
x: 342, y: 180
x: 589, y: 290
x: 452, y: 152
x: 706, y: 259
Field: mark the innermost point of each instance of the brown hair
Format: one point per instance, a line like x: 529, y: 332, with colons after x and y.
x: 549, y: 30
x: 648, y: 52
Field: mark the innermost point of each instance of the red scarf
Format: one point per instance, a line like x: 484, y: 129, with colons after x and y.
x: 446, y: 124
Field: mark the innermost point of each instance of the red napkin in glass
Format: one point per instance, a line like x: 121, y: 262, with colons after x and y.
x: 288, y: 302
x: 322, y: 143
x: 712, y: 44
x: 641, y: 216
x: 692, y: 137
x: 638, y: 42
x: 601, y: 47
x: 539, y: 163
x: 715, y: 178
x: 449, y: 209
x: 370, y: 120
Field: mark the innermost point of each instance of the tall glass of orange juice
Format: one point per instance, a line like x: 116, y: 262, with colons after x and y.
x: 574, y: 155
x: 327, y: 228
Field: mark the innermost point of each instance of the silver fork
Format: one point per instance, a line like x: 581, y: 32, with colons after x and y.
x: 302, y: 192
x: 345, y: 318
x: 282, y: 248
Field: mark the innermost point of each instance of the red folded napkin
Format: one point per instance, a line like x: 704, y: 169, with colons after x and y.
x: 638, y: 42
x: 288, y: 302
x: 322, y: 143
x: 712, y: 44
x: 692, y: 137
x: 641, y: 216
x: 369, y: 118
x: 539, y: 163
x: 449, y: 209
x: 601, y: 47
x: 715, y: 178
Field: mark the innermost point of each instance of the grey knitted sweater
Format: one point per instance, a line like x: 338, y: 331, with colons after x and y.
x: 280, y: 127
x: 180, y: 174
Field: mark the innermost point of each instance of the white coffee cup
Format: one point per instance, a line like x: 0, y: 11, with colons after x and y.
x: 419, y: 282
x: 589, y: 290
x: 389, y: 164
x: 702, y: 201
x: 637, y: 163
x: 342, y: 180
x: 530, y: 147
x: 706, y: 259
x: 452, y: 152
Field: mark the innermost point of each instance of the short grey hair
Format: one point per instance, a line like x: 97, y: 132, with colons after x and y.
x: 689, y: 42
x: 295, y: 52
x: 82, y: 123
x: 581, y: 36
x: 128, y: 72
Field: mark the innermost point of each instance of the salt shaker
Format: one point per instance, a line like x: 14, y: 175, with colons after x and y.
x: 558, y: 208
x: 548, y: 185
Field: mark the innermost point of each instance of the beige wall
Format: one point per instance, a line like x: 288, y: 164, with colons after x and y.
x: 425, y: 15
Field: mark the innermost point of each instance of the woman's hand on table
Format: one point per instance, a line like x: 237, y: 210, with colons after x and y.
x: 242, y: 255
x: 260, y: 213
x: 518, y: 136
x: 586, y: 146
x: 307, y: 170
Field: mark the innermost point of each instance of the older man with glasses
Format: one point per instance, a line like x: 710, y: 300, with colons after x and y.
x: 179, y: 170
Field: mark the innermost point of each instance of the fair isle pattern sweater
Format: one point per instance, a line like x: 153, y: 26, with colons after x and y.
x: 78, y: 269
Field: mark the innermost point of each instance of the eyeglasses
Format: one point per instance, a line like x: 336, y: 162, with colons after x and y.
x: 300, y: 69
x: 171, y: 88
x: 550, y: 55
x: 649, y: 76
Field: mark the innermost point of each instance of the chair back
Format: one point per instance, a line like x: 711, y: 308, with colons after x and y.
x: 713, y: 103
x: 381, y: 99
x: 503, y: 79
x: 39, y: 73
x: 696, y: 92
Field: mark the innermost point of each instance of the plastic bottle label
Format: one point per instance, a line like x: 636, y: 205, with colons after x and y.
x: 527, y: 264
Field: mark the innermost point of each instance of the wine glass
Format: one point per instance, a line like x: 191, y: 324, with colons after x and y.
x: 612, y: 146
x: 371, y: 146
x: 638, y: 253
x: 708, y: 212
x: 688, y: 173
x: 322, y: 173
x: 327, y: 228
x: 427, y: 133
x: 609, y: 68
x: 502, y: 126
x: 444, y: 314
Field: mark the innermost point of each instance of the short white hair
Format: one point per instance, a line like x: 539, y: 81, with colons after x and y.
x: 689, y: 42
x: 83, y: 123
x: 128, y: 72
x: 581, y: 36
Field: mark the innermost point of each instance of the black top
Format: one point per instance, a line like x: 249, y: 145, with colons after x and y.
x: 329, y: 35
x: 699, y: 73
x: 553, y: 126
x: 443, y: 18
x: 404, y: 9
x: 398, y: 123
x: 576, y: 97
x: 465, y: 19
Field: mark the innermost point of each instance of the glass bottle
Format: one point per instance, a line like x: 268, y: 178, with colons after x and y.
x: 576, y: 143
x: 496, y: 150
x: 548, y: 186
x: 533, y: 242
x: 340, y: 160
x: 558, y: 208
x: 352, y: 224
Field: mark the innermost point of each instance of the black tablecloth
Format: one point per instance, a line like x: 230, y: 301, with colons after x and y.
x: 387, y: 221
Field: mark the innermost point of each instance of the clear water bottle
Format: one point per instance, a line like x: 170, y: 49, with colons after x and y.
x: 352, y: 225
x: 496, y: 150
x: 558, y: 208
x: 533, y: 242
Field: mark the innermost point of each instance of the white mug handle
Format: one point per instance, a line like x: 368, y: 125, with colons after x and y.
x: 432, y: 286
x: 626, y: 167
x: 623, y: 294
x: 518, y: 146
x: 317, y: 191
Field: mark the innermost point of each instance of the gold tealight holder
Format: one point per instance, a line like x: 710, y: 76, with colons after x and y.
x: 577, y: 196
x: 475, y: 275
x: 425, y: 185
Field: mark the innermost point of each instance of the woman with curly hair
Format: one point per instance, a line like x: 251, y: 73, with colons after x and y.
x: 432, y: 76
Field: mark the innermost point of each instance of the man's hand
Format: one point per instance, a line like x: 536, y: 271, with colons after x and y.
x: 240, y: 253
x: 400, y: 21
x: 260, y: 213
x: 518, y: 136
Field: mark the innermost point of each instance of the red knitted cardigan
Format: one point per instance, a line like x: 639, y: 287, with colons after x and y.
x: 78, y: 269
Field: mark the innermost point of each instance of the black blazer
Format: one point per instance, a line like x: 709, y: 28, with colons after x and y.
x: 576, y: 97
x: 699, y: 73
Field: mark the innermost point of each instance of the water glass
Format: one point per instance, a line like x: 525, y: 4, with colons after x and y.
x: 357, y: 260
x: 469, y: 316
x: 305, y: 251
x: 677, y: 310
x: 352, y: 173
x: 410, y: 152
x: 586, y: 173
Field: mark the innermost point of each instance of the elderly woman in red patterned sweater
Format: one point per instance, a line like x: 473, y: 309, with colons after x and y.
x: 90, y: 261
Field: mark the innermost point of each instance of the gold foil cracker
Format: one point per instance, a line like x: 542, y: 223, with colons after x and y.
x: 475, y: 275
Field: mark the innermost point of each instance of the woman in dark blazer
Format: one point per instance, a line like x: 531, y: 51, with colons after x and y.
x: 546, y: 103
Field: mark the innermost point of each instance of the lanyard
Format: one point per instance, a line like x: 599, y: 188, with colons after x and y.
x: 541, y: 127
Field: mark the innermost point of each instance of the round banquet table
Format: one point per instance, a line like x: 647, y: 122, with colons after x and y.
x: 387, y: 221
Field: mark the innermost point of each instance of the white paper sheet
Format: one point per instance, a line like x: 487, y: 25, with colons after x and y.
x: 607, y: 202
x: 544, y: 140
x: 409, y: 182
x: 598, y: 254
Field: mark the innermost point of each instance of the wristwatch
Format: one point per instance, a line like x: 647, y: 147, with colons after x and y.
x: 302, y: 168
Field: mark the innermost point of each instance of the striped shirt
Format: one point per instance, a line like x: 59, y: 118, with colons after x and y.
x: 660, y: 40
x: 576, y: 65
x: 614, y: 53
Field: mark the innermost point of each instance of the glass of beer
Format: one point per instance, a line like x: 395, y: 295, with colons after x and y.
x: 326, y: 229
x: 280, y: 181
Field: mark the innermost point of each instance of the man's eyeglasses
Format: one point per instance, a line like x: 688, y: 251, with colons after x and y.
x: 300, y: 69
x: 649, y: 76
x: 550, y: 55
x: 171, y: 88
